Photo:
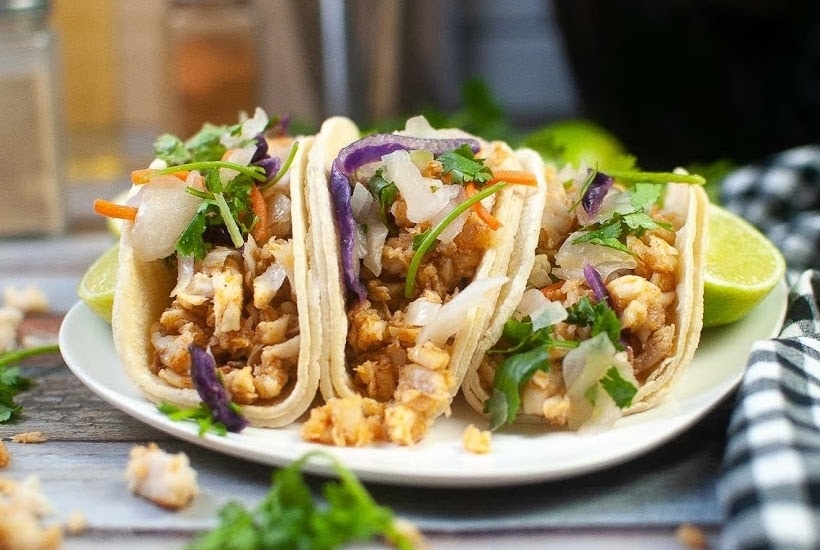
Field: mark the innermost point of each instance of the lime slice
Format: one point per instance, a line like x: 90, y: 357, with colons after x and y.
x: 742, y: 267
x: 96, y: 287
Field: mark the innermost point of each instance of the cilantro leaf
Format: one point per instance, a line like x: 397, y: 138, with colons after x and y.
x: 386, y: 193
x: 12, y: 382
x: 514, y: 372
x: 599, y: 316
x: 462, y: 167
x: 205, y: 145
x: 191, y: 243
x: 621, y: 391
x: 608, y: 234
x: 200, y: 414
x: 171, y: 149
x: 290, y: 517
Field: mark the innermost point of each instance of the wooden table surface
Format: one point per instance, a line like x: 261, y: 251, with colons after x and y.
x: 81, y: 465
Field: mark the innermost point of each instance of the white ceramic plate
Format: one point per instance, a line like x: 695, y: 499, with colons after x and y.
x: 521, y: 455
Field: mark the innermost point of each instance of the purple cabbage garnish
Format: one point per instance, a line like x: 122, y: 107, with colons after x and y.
x: 596, y: 283
x: 261, y: 148
x: 271, y: 166
x: 364, y: 151
x: 595, y: 193
x: 210, y: 389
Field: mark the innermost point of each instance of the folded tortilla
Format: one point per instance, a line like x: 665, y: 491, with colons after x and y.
x: 656, y: 290
x: 387, y: 371
x: 265, y: 355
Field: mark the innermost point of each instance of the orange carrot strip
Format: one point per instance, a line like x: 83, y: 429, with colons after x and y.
x: 114, y: 210
x: 513, y: 176
x: 483, y: 214
x: 260, y: 228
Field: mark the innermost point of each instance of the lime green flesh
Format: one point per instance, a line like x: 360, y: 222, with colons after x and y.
x: 742, y: 267
x: 96, y: 287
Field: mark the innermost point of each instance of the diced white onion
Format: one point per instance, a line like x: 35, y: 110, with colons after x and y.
x: 185, y: 273
x: 249, y: 129
x: 360, y: 201
x: 571, y: 259
x: 453, y: 314
x: 279, y: 209
x: 419, y: 127
x: 452, y: 229
x: 158, y: 164
x: 541, y: 311
x: 241, y: 156
x: 421, y: 311
x: 422, y: 195
x: 164, y: 211
x: 374, y: 240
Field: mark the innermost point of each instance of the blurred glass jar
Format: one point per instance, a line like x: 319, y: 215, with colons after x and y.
x: 32, y: 201
x: 212, y: 66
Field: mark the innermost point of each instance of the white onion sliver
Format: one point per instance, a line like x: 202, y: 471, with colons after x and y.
x: 279, y: 209
x: 452, y: 229
x: 452, y: 314
x: 242, y: 157
x: 419, y: 127
x: 360, y: 201
x: 374, y: 240
x: 185, y: 273
x: 571, y: 259
x: 250, y: 128
x: 421, y: 311
x: 421, y: 194
x: 164, y: 211
x: 541, y: 311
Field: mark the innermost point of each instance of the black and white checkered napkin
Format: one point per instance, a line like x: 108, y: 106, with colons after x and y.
x: 770, y: 484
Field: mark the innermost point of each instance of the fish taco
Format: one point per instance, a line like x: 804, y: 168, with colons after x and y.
x: 212, y: 303
x: 419, y: 232
x: 600, y: 320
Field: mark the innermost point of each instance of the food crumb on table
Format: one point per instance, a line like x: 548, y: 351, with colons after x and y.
x: 27, y: 299
x: 10, y: 319
x: 29, y: 437
x: 476, y: 440
x: 5, y: 457
x: 22, y: 507
x: 691, y: 536
x: 162, y: 478
x: 76, y: 523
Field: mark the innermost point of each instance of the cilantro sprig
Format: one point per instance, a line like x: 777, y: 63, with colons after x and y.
x: 462, y: 167
x: 611, y: 231
x: 529, y: 352
x: 200, y: 414
x: 385, y: 193
x: 290, y: 517
x: 12, y: 382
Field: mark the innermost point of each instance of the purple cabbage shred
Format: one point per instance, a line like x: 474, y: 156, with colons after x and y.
x: 211, y: 391
x: 595, y: 193
x: 596, y: 283
x: 364, y: 151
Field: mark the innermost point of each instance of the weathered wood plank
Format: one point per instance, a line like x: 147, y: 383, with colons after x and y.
x: 60, y: 406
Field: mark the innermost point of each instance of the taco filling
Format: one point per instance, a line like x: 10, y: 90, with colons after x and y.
x: 216, y: 210
x: 416, y: 217
x: 600, y: 320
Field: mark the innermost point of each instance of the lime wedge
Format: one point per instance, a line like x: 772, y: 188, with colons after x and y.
x: 742, y: 267
x: 96, y: 287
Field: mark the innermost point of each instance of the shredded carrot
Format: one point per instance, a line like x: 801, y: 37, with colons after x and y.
x: 139, y: 177
x: 550, y: 290
x: 260, y: 229
x: 513, y: 176
x: 114, y: 210
x: 483, y: 214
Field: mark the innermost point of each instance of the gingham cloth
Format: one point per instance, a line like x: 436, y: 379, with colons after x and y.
x: 770, y: 483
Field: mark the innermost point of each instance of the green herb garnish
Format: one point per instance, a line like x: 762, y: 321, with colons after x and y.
x: 432, y: 234
x: 386, y: 193
x: 621, y: 391
x: 599, y: 316
x: 462, y: 167
x: 290, y: 518
x: 611, y: 231
x: 638, y: 176
x: 200, y: 414
x: 12, y: 383
x: 528, y: 354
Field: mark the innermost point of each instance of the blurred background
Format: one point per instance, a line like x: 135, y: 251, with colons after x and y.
x: 86, y: 85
